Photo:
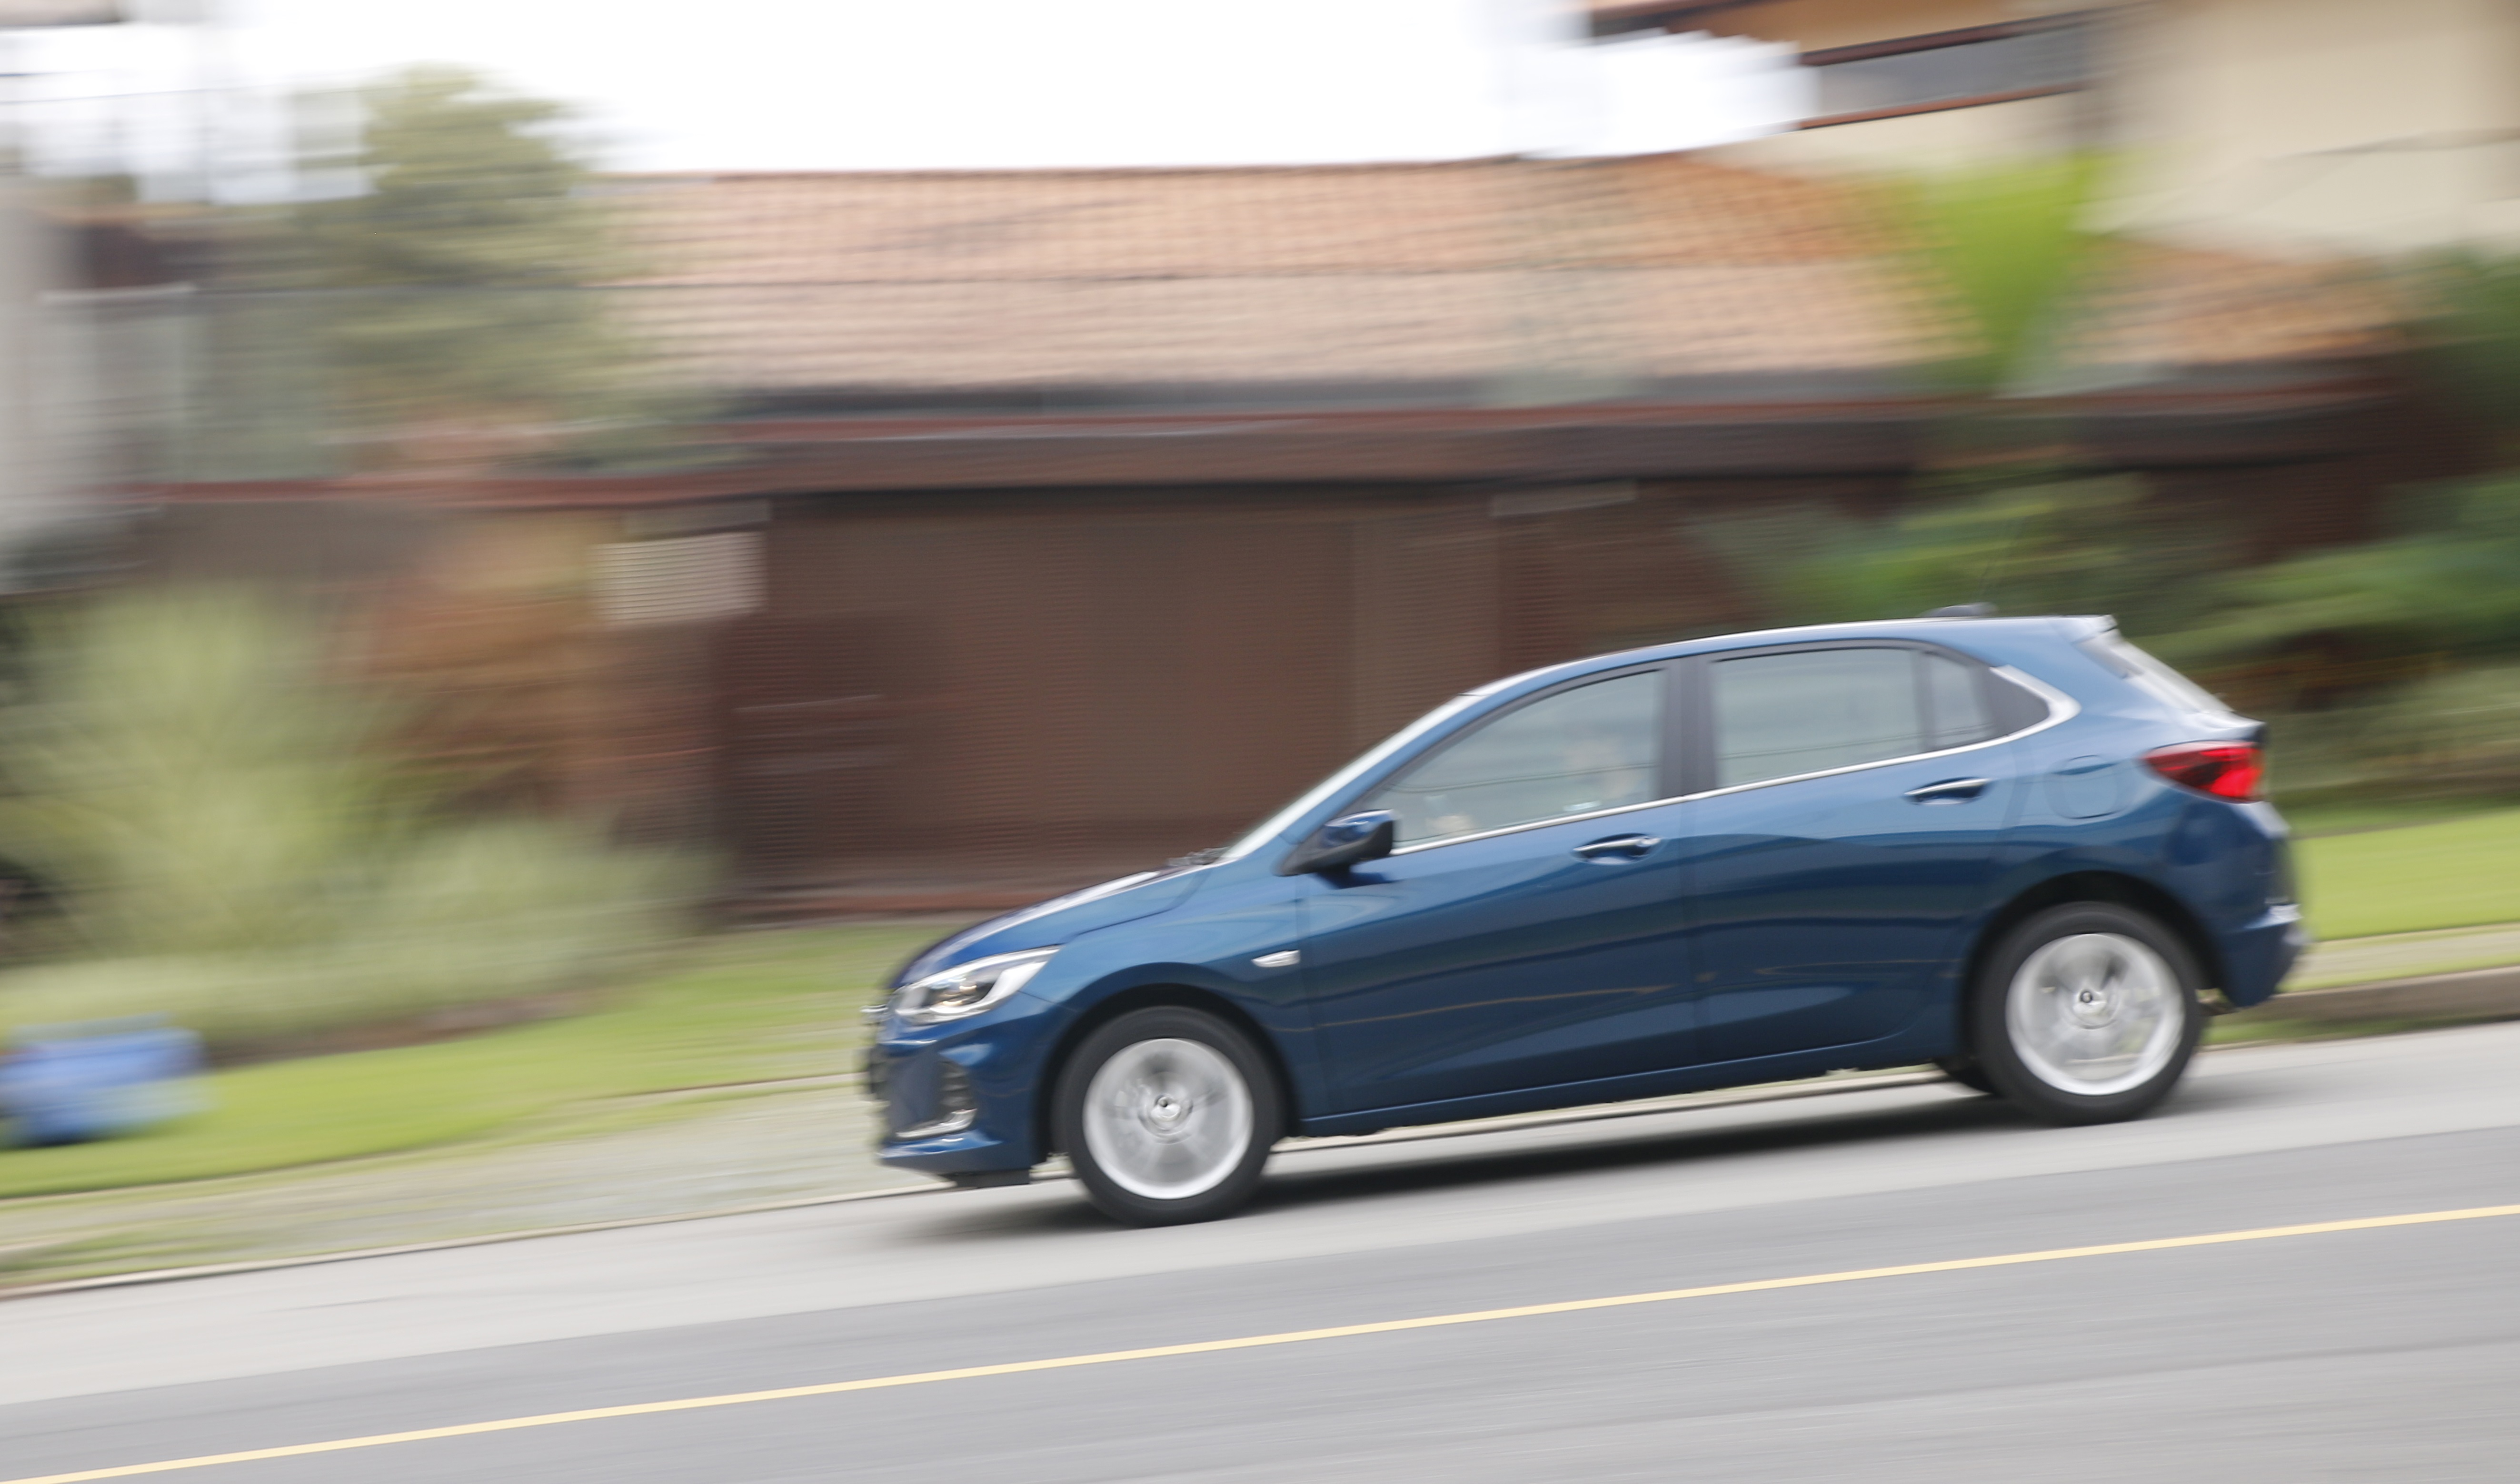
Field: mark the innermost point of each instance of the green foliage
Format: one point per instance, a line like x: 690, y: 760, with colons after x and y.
x: 175, y: 762
x: 2473, y: 325
x: 455, y: 285
x: 233, y: 851
x: 2449, y: 584
x: 2074, y: 546
x: 2456, y: 733
x: 2384, y: 667
x: 2006, y: 243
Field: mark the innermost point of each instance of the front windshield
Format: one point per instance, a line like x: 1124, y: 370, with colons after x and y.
x: 1322, y: 792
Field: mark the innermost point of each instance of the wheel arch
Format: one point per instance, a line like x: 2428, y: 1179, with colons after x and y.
x: 1119, y: 1002
x: 2090, y: 885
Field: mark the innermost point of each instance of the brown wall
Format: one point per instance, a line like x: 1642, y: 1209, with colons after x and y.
x: 949, y: 695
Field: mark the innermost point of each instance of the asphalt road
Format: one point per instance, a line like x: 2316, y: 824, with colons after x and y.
x: 2384, y: 1352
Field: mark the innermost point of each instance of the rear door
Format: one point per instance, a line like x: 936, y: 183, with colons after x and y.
x: 1854, y: 803
x: 1527, y: 931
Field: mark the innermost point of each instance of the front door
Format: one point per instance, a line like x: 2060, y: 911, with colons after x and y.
x: 1852, y: 832
x: 1527, y: 931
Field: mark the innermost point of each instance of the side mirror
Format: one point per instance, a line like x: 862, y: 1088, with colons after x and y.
x: 1346, y: 842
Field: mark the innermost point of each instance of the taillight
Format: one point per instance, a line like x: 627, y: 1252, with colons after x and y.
x: 2225, y: 770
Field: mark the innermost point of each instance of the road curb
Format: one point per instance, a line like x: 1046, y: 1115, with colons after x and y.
x: 2475, y: 994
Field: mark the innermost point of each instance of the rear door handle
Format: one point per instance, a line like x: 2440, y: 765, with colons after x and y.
x: 1950, y: 790
x: 1627, y: 846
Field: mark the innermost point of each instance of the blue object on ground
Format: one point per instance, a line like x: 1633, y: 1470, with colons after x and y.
x: 68, y: 1084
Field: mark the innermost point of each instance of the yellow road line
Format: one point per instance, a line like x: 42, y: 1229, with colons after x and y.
x: 1255, y: 1341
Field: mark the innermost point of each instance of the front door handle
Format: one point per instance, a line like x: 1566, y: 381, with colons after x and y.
x: 1950, y: 790
x: 1619, y: 847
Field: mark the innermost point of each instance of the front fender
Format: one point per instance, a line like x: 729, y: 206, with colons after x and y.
x: 1210, y: 946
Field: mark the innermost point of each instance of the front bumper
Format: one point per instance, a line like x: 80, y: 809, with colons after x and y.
x: 960, y: 1098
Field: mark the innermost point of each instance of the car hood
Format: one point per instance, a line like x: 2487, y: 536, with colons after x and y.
x: 1044, y: 925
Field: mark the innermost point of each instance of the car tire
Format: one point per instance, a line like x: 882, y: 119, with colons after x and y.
x: 2086, y: 1014
x: 1167, y: 1115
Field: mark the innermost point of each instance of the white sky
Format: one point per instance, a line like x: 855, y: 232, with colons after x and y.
x: 879, y: 84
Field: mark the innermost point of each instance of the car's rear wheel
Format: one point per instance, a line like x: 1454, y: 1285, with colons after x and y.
x: 1168, y: 1115
x: 2086, y: 1014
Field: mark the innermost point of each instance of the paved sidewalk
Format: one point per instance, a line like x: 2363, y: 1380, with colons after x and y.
x: 2407, y: 954
x: 728, y: 1152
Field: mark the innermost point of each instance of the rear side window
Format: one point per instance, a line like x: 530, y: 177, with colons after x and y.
x: 1811, y: 710
x: 1955, y: 709
x: 2150, y: 675
x: 1595, y: 746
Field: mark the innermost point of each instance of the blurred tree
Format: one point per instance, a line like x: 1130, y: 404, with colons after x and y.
x: 2087, y: 545
x: 2002, y: 512
x: 2434, y: 731
x: 2472, y: 328
x: 2447, y: 584
x: 460, y: 322
x: 173, y: 763
x: 2006, y: 245
x: 2391, y: 664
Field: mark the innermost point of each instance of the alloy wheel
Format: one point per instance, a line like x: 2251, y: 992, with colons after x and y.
x: 2094, y: 1014
x: 1168, y: 1120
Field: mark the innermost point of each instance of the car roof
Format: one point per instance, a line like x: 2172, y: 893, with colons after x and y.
x: 1956, y: 632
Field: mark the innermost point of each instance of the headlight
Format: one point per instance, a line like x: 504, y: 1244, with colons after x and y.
x: 969, y: 989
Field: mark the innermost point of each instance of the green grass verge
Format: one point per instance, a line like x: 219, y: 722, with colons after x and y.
x: 2247, y: 1030
x: 2348, y: 815
x: 743, y: 1007
x: 2462, y: 873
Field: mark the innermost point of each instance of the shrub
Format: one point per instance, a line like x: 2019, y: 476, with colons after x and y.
x: 231, y: 845
x: 2456, y: 733
x: 2070, y: 545
x: 2448, y: 582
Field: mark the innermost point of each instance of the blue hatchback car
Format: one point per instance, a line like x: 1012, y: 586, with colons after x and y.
x: 2019, y: 848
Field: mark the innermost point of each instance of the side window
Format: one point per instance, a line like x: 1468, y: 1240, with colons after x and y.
x: 1956, y: 708
x: 1810, y: 710
x: 1596, y: 746
x: 1777, y: 715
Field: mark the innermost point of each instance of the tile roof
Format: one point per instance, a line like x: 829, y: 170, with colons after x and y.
x: 2164, y: 305
x: 1630, y: 271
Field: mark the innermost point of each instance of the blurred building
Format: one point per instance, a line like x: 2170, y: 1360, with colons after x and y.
x: 1055, y: 523
x: 1067, y: 520
x: 2296, y: 127
x: 58, y: 437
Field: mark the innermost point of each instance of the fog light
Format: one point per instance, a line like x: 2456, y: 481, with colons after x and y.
x: 956, y: 1109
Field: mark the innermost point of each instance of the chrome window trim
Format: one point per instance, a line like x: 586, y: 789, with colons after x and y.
x: 2061, y: 708
x: 1557, y: 818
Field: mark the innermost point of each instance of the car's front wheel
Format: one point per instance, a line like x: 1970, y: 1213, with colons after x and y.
x: 2086, y: 1014
x: 1168, y: 1115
